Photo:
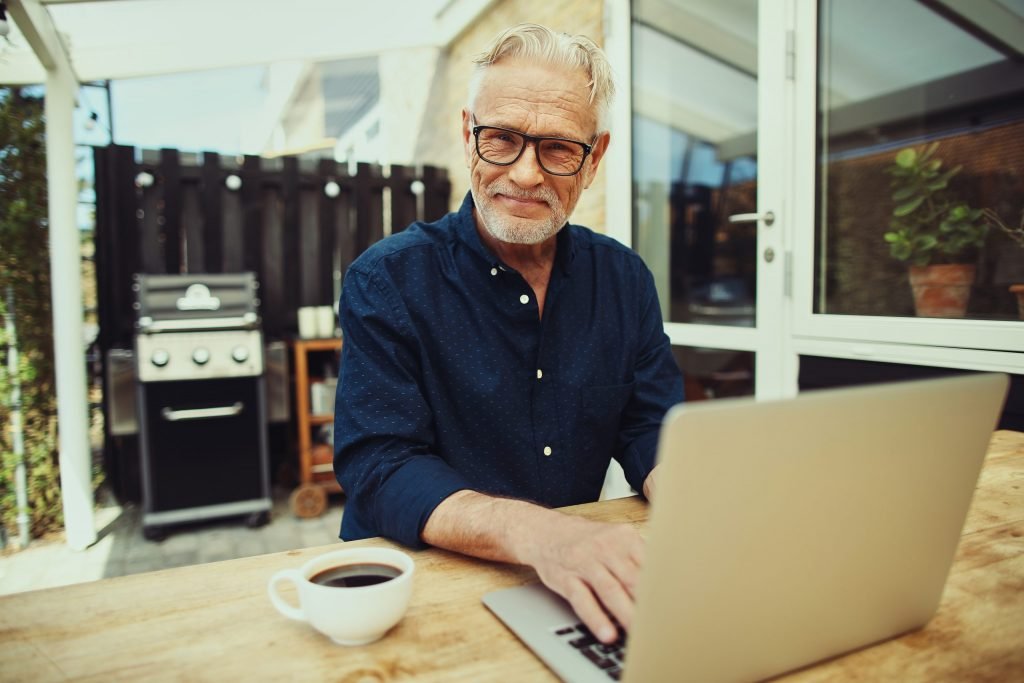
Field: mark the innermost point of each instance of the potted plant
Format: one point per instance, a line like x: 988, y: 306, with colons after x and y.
x: 937, y: 234
x: 1017, y: 235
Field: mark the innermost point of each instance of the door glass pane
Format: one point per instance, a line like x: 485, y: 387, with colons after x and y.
x: 921, y: 156
x: 694, y: 155
x: 715, y: 373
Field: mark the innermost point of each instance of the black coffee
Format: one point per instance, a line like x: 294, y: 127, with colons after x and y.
x: 355, y: 575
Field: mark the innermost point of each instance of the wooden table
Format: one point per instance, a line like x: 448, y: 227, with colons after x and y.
x: 214, y: 621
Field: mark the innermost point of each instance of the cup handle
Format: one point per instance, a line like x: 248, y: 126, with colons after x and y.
x: 283, y: 607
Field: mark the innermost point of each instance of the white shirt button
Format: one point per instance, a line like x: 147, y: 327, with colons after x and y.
x: 540, y: 373
x: 494, y: 271
x: 524, y: 299
x: 547, y: 450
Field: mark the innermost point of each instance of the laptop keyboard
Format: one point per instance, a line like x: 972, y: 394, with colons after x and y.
x: 609, y: 658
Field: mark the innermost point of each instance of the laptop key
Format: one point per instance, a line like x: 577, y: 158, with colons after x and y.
x: 583, y: 641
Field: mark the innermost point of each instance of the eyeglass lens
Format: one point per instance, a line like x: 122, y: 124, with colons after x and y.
x: 560, y: 157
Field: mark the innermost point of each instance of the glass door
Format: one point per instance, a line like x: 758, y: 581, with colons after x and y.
x: 708, y: 206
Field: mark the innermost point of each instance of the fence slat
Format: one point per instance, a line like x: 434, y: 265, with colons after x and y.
x: 192, y: 227
x: 148, y: 221
x: 369, y: 201
x: 170, y: 184
x: 232, y: 233
x: 252, y: 219
x: 436, y: 193
x: 276, y: 320
x: 309, y: 248
x: 327, y: 209
x: 403, y: 201
x: 104, y: 244
x: 213, y: 227
x: 290, y: 236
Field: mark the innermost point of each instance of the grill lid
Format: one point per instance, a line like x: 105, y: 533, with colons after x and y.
x: 196, y: 301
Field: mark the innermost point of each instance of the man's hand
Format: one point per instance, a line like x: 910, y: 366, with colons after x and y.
x: 593, y: 565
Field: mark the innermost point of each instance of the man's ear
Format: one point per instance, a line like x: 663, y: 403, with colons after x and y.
x: 594, y: 160
x: 467, y: 136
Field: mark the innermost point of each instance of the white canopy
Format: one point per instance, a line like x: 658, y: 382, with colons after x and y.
x: 111, y: 39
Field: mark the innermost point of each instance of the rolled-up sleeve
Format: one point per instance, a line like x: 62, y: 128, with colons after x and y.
x: 384, y: 455
x: 658, y: 386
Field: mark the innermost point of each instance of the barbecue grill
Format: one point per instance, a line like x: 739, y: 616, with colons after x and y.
x: 201, y: 400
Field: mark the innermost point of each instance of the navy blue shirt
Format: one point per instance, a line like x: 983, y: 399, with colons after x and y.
x: 450, y: 379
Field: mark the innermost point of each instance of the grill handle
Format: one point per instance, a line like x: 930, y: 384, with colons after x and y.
x: 201, y: 413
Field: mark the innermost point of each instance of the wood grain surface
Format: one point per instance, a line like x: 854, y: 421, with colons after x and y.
x: 215, y: 622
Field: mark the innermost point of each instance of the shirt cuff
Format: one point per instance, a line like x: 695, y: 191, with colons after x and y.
x: 639, y: 459
x: 411, y: 494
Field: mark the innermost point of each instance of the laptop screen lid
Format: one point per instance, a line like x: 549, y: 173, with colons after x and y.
x: 785, y: 532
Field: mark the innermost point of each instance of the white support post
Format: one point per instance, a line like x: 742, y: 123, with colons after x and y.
x: 66, y: 286
x: 65, y: 273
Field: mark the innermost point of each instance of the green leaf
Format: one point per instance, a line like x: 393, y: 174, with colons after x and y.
x: 929, y: 151
x: 903, y: 193
x: 908, y: 207
x: 906, y: 157
x: 900, y: 250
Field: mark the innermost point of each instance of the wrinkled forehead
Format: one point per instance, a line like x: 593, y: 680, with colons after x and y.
x: 535, y: 96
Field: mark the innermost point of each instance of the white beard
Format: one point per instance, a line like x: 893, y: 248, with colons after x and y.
x: 514, y: 230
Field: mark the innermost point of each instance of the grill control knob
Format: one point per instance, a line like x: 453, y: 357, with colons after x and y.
x: 200, y: 356
x: 160, y: 358
x: 240, y: 354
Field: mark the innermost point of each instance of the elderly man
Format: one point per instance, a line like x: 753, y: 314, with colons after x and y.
x: 497, y: 359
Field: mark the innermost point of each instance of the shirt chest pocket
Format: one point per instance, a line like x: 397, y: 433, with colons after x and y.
x: 601, y: 414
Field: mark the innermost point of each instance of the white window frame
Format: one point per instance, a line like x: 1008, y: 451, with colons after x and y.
x: 968, y: 344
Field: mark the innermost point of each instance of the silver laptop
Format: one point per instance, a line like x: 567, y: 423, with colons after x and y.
x: 786, y: 532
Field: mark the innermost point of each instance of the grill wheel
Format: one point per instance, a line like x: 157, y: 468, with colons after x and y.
x: 308, y: 501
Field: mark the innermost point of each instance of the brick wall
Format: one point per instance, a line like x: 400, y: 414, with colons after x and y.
x: 439, y: 141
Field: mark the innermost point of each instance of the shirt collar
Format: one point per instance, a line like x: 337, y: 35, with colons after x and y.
x: 565, y: 251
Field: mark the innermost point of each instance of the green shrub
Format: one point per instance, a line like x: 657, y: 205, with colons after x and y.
x: 24, y: 264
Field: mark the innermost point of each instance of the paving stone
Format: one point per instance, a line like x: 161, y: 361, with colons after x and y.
x: 122, y: 549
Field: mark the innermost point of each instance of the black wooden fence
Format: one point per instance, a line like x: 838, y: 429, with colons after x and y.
x: 296, y: 223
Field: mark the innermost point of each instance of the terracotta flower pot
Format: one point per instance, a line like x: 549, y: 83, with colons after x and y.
x: 941, y: 291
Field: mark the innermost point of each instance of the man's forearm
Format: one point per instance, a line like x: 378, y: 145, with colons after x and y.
x: 484, y: 526
x: 593, y: 565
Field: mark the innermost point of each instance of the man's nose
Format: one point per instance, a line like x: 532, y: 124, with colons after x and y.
x: 526, y: 171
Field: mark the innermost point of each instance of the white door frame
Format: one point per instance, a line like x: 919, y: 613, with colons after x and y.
x: 772, y: 340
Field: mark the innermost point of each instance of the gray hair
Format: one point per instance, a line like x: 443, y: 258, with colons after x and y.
x: 533, y: 41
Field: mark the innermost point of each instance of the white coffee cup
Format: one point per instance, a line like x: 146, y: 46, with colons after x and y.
x: 325, y: 321
x: 307, y: 322
x: 349, y: 615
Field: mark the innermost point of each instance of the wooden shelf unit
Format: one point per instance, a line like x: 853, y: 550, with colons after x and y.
x: 315, y: 460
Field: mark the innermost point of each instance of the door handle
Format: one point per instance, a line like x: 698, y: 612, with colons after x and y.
x: 768, y: 217
x: 201, y: 413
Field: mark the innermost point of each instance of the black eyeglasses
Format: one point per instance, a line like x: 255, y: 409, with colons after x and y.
x: 503, y: 147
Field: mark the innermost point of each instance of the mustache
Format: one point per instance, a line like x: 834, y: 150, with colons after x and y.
x: 544, y: 194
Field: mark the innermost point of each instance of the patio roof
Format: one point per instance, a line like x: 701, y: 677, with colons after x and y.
x: 111, y: 39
